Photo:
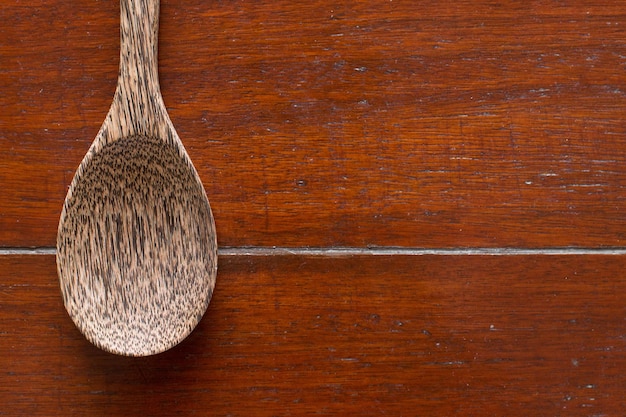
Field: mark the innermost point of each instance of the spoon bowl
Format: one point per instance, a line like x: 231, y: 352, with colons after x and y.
x: 136, y: 244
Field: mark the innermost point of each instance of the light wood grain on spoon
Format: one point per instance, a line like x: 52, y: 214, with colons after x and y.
x: 136, y: 244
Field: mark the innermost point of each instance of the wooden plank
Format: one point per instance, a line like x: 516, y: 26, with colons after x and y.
x: 295, y: 335
x: 353, y: 124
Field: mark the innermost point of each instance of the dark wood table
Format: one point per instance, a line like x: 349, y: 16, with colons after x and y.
x: 419, y: 205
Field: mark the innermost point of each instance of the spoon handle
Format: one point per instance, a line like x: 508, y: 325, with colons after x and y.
x: 139, y: 31
x: 137, y: 108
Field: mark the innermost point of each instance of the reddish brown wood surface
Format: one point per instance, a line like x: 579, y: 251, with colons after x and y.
x: 324, y: 124
x: 393, y: 123
x: 289, y: 335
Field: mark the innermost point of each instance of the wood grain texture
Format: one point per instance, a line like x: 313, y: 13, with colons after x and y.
x: 293, y: 335
x: 347, y: 124
x: 136, y: 252
x: 316, y: 124
x: 136, y: 246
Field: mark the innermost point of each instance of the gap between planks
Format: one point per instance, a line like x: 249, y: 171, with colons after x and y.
x: 378, y: 251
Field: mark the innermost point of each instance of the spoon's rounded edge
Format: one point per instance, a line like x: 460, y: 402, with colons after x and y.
x: 62, y: 261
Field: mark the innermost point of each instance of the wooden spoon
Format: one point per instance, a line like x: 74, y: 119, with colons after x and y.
x: 136, y: 245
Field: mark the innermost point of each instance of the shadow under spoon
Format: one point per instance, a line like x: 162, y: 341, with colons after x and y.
x: 136, y: 244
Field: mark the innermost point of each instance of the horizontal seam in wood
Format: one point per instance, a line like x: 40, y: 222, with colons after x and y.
x: 379, y: 251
